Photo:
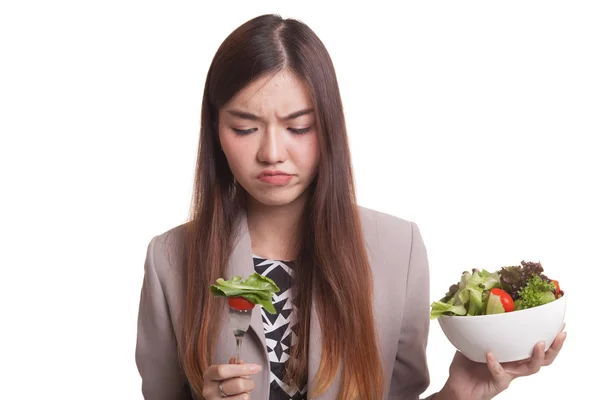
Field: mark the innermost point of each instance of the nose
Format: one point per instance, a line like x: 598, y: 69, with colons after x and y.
x: 272, y: 147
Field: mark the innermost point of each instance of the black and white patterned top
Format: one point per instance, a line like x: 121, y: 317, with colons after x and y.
x: 279, y: 327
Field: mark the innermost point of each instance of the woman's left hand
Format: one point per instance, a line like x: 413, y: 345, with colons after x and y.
x: 471, y: 380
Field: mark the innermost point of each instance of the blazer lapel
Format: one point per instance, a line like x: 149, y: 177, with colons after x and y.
x: 241, y: 264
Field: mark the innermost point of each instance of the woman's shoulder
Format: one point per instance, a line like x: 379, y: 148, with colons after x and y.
x: 377, y: 222
x: 173, y: 237
x: 166, y: 252
x: 389, y: 238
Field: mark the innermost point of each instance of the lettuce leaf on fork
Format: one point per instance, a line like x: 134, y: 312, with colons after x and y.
x: 256, y: 288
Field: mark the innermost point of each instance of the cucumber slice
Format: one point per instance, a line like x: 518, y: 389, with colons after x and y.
x: 494, y: 305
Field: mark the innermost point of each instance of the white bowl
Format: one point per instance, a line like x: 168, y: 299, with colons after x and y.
x: 509, y: 336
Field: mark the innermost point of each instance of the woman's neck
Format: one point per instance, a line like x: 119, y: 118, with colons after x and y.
x: 275, y: 231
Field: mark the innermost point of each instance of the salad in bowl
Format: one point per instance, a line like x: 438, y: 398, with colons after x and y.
x: 512, y: 288
x: 505, y: 312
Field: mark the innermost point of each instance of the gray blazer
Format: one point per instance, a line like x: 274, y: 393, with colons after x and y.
x: 401, y: 277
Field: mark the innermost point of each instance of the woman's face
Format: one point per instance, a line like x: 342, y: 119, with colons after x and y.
x: 268, y: 134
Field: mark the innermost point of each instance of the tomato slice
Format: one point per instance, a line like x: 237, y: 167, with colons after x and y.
x: 505, y: 299
x: 557, y: 286
x: 240, y: 303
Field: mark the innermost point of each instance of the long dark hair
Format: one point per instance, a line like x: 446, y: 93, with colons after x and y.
x: 334, y: 267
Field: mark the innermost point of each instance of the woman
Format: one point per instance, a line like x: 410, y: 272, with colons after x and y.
x: 274, y: 194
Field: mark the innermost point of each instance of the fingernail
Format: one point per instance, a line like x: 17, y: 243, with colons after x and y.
x: 255, y: 368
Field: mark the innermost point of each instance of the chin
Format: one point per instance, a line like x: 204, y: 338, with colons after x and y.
x: 275, y: 199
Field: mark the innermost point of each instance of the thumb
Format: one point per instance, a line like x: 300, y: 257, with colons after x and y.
x: 497, y: 371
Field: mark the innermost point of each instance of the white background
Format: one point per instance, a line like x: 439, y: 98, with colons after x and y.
x: 477, y: 120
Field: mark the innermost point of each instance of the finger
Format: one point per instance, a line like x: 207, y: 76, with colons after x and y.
x: 227, y: 371
x: 532, y: 364
x: 237, y: 386
x: 521, y: 367
x: 516, y: 368
x: 537, y: 360
x: 232, y: 361
x: 555, y: 348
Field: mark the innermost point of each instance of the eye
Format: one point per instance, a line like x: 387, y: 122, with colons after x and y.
x: 243, y: 132
x: 300, y: 131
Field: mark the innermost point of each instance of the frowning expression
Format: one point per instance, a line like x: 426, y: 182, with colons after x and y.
x: 269, y: 136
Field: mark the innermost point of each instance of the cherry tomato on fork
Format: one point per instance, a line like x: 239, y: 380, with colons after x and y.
x: 240, y: 303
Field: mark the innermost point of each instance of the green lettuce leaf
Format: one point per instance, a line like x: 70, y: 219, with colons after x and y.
x: 256, y: 288
x: 470, y: 295
x: 439, y: 308
x: 475, y: 302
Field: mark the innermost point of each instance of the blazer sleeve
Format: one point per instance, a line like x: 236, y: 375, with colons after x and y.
x: 156, y: 353
x: 410, y: 376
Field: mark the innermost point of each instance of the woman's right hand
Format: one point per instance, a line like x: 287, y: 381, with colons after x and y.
x: 234, y: 380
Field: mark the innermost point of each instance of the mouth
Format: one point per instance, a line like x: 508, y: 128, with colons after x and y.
x: 267, y: 173
x: 278, y: 178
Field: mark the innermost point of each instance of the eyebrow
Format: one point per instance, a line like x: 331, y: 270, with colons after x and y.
x: 252, y: 117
